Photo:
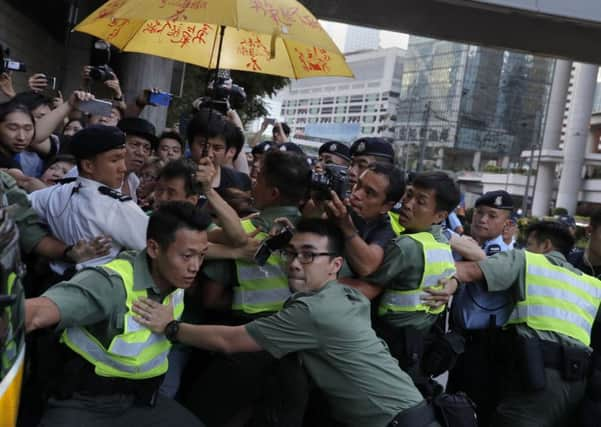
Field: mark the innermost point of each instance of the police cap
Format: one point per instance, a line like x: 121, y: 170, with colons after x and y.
x: 499, y: 199
x: 96, y: 139
x: 372, y: 146
x: 139, y: 127
x: 292, y: 147
x: 336, y: 148
x: 262, y: 147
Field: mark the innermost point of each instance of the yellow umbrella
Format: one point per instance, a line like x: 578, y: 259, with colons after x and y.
x: 272, y: 45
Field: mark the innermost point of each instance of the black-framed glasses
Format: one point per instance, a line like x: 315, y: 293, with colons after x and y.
x: 304, y: 257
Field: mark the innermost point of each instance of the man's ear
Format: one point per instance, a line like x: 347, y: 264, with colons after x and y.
x: 86, y: 166
x: 230, y: 153
x: 152, y: 248
x: 548, y: 246
x: 386, y: 207
x: 338, y: 263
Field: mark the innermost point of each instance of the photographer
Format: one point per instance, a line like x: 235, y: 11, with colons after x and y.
x: 211, y: 135
x: 363, y: 217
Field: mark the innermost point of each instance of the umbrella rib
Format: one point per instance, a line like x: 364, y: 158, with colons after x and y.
x: 287, y: 50
x: 134, y: 34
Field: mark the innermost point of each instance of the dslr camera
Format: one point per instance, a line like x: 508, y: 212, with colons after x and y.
x: 273, y: 243
x: 102, y: 73
x: 223, y: 94
x: 7, y: 64
x: 333, y: 178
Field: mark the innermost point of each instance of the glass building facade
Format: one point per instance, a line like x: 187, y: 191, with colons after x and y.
x: 472, y: 98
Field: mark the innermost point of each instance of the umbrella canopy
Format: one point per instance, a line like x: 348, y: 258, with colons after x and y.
x: 258, y: 36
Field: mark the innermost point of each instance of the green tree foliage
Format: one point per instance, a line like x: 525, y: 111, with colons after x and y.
x: 256, y: 86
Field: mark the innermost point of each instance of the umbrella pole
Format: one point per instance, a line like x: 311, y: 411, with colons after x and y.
x: 219, y: 47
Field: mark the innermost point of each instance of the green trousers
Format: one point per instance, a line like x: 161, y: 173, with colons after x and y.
x: 554, y: 406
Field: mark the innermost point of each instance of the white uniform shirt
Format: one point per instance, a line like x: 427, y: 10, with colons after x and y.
x: 132, y: 181
x: 77, y: 211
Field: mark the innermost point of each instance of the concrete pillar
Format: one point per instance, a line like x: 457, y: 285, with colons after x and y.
x: 440, y: 158
x: 545, y: 178
x: 141, y: 72
x: 505, y: 162
x: 476, y: 161
x: 577, y: 132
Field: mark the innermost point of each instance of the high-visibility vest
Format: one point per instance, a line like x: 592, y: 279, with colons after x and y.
x: 261, y: 289
x: 438, y: 264
x: 10, y: 351
x: 137, y: 353
x: 394, y: 223
x: 557, y: 300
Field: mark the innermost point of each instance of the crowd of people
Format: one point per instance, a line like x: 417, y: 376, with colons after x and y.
x: 199, y: 279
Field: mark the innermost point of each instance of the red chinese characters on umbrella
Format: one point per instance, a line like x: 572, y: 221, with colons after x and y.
x: 182, y: 7
x: 110, y: 8
x: 314, y: 59
x: 116, y: 26
x: 254, y: 49
x: 283, y: 15
x: 179, y: 33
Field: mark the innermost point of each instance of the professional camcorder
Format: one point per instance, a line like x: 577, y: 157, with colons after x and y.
x: 222, y: 94
x: 273, y: 243
x: 102, y: 73
x: 333, y: 178
x: 8, y: 64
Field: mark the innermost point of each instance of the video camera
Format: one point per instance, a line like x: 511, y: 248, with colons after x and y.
x: 333, y: 178
x: 223, y: 94
x: 7, y: 64
x: 102, y: 73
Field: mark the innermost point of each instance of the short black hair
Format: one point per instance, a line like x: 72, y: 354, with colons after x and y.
x: 289, y: 172
x: 396, y: 180
x: 234, y: 137
x: 32, y: 100
x: 184, y: 169
x: 67, y: 158
x: 173, y: 135
x: 208, y: 123
x: 285, y: 128
x: 595, y: 220
x: 447, y: 193
x: 324, y: 227
x: 558, y: 233
x: 169, y: 217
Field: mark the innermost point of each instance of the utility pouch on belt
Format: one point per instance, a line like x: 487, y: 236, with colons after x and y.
x: 455, y: 410
x: 413, y: 341
x: 575, y: 364
x: 442, y: 352
x: 532, y: 364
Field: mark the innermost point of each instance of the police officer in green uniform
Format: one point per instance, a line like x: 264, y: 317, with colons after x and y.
x: 247, y: 291
x: 545, y: 353
x: 413, y: 262
x: 328, y: 325
x: 113, y: 365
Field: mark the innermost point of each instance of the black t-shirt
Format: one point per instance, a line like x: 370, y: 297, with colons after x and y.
x: 377, y: 232
x: 7, y: 162
x: 231, y: 178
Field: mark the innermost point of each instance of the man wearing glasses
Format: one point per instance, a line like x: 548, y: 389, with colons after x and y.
x: 328, y: 325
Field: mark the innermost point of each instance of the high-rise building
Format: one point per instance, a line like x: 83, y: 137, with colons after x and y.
x: 467, y: 99
x: 361, y: 38
x: 344, y: 109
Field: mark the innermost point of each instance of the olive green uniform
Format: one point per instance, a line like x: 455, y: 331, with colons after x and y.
x: 20, y: 210
x: 402, y: 269
x: 553, y: 405
x: 330, y: 330
x: 96, y: 299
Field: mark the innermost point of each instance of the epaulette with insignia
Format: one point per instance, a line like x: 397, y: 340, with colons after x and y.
x: 493, y: 249
x: 114, y: 194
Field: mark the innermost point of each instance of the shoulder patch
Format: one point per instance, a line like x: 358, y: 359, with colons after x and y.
x: 114, y: 194
x: 493, y: 249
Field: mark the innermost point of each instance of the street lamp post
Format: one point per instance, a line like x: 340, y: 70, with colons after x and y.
x: 423, y: 139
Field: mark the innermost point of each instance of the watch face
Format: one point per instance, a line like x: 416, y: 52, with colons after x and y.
x: 171, y: 330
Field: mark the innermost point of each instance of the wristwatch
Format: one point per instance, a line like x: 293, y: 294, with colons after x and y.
x: 171, y: 330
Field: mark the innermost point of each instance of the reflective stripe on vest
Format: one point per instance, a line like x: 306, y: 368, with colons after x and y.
x: 137, y: 353
x: 10, y: 351
x: 261, y: 289
x: 394, y: 223
x: 438, y: 264
x: 557, y: 300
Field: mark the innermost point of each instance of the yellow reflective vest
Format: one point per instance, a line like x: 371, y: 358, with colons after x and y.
x: 438, y: 264
x: 557, y: 300
x: 137, y: 353
x: 394, y: 223
x: 261, y: 289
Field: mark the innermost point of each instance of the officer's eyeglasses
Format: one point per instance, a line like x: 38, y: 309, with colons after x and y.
x: 304, y: 257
